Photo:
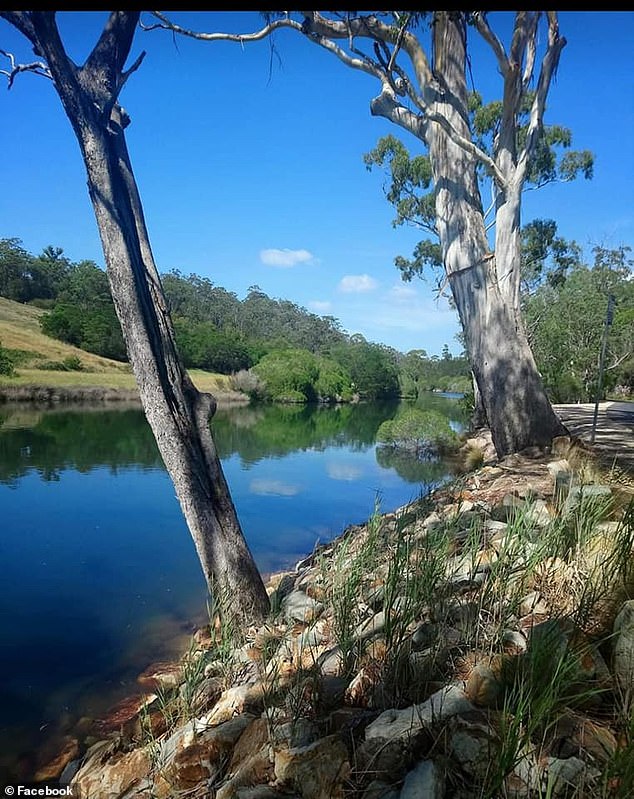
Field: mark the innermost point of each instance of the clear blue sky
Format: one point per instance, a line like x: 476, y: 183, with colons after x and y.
x: 250, y: 165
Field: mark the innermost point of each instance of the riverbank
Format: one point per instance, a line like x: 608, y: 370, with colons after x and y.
x: 474, y: 642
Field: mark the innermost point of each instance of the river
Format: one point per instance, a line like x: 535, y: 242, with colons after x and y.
x: 100, y: 575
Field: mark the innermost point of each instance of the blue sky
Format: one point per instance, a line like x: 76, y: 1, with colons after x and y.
x: 250, y: 165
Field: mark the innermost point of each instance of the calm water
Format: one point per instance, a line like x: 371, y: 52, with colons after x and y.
x: 100, y: 576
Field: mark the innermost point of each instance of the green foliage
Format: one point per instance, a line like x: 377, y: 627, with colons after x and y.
x: 6, y: 362
x: 373, y: 368
x: 418, y: 430
x: 418, y: 373
x: 289, y: 375
x: 203, y: 346
x: 566, y: 323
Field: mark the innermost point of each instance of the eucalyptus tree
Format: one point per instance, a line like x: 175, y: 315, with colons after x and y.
x: 423, y: 89
x: 177, y: 413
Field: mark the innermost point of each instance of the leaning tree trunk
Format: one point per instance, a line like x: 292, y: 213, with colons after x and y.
x: 511, y: 391
x: 177, y: 413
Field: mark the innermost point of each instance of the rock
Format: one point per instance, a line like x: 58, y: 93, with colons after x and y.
x: 316, y: 771
x: 370, y: 627
x: 514, y: 642
x: 586, y: 493
x: 426, y: 781
x: 623, y: 652
x: 532, y: 603
x: 195, y: 754
x: 565, y: 775
x: 483, y: 686
x: 378, y: 789
x: 298, y: 606
x: 103, y: 776
x: 254, y: 770
x: 382, y: 759
x: 235, y: 700
x: 331, y: 662
x: 164, y: 675
x: 262, y: 792
x: 56, y: 761
x: 394, y: 724
x: 124, y: 715
x: 252, y: 739
x: 595, y: 740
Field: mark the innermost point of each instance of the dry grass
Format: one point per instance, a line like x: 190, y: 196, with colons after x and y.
x: 20, y: 330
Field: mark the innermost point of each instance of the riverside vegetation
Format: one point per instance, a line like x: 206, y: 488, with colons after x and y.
x: 478, y: 642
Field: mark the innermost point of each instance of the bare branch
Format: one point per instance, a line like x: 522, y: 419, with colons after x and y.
x: 531, y: 52
x: 556, y: 43
x: 484, y: 29
x: 386, y: 105
x: 37, y: 67
x: 267, y: 30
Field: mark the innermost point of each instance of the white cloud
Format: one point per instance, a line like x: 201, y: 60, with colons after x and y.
x: 285, y: 259
x: 402, y: 293
x: 273, y: 488
x: 343, y: 471
x: 357, y: 284
x: 320, y: 306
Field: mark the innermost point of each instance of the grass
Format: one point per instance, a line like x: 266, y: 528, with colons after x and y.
x: 20, y: 332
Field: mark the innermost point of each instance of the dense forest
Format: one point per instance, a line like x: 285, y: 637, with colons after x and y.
x: 274, y: 348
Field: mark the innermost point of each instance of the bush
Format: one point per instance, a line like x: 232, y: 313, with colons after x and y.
x: 6, y: 362
x: 417, y: 430
x: 248, y: 382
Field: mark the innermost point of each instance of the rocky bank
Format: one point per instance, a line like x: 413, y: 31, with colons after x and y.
x: 477, y: 642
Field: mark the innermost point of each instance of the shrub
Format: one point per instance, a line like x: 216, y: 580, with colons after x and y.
x: 6, y: 362
x: 417, y: 430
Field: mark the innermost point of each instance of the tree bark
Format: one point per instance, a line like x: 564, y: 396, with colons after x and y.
x: 484, y: 283
x: 177, y: 413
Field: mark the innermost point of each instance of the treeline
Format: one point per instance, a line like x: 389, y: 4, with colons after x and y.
x: 274, y: 348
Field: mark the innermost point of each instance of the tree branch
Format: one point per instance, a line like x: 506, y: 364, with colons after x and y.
x: 484, y: 29
x: 37, y: 67
x: 267, y: 30
x: 556, y: 43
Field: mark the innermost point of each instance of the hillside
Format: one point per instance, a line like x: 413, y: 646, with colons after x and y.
x: 20, y: 331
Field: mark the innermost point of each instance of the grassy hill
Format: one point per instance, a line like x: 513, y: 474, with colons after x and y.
x: 37, y: 355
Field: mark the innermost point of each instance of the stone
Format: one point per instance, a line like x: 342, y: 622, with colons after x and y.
x: 330, y: 663
x: 396, y: 724
x: 564, y: 775
x: 103, y: 774
x: 195, y: 754
x: 252, y: 739
x: 317, y: 771
x: 381, y: 759
x: 262, y: 792
x: 370, y: 627
x: 473, y: 750
x: 514, y: 642
x: 623, y: 652
x: 532, y: 603
x: 67, y: 750
x: 164, y: 675
x: 586, y: 493
x: 298, y: 606
x: 124, y: 715
x: 426, y: 781
x: 234, y: 701
x: 378, y: 789
x: 255, y: 769
x: 483, y: 687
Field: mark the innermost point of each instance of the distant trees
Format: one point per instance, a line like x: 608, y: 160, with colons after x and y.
x: 565, y: 321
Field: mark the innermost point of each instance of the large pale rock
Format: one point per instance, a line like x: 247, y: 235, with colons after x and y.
x: 316, y: 771
x: 565, y: 775
x: 233, y: 702
x: 193, y: 754
x: 104, y: 777
x: 298, y: 606
x: 426, y: 781
x: 255, y: 769
x: 623, y: 655
x: 392, y: 724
